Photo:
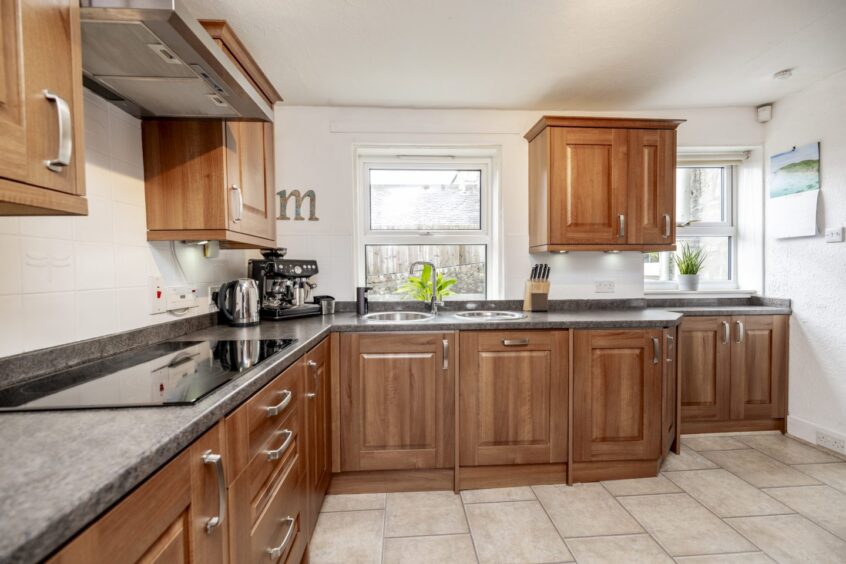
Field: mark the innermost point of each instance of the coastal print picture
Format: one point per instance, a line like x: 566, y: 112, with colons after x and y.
x: 795, y: 171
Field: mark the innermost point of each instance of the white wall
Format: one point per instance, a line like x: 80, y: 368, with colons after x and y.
x: 65, y: 279
x: 807, y: 270
x: 314, y: 148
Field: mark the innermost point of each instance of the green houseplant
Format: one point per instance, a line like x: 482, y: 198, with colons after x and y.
x: 689, y: 263
x: 420, y: 287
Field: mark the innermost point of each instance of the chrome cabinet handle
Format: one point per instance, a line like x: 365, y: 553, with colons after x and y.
x: 656, y: 350
x: 63, y: 116
x: 741, y: 332
x: 274, y: 410
x: 725, y: 332
x: 312, y: 365
x: 622, y: 225
x: 237, y: 190
x: 670, y: 343
x: 276, y: 454
x: 515, y: 342
x: 217, y: 461
x: 446, y: 354
x: 276, y: 552
x: 667, y: 230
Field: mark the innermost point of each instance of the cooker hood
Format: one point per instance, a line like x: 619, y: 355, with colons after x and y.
x: 153, y: 59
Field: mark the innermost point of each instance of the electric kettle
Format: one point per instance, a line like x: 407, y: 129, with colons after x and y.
x: 238, y: 301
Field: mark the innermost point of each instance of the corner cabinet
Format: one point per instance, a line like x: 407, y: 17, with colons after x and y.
x: 41, y: 124
x: 600, y: 184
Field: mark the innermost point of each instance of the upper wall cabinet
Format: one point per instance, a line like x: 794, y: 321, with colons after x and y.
x: 41, y: 158
x: 598, y: 184
x: 212, y: 179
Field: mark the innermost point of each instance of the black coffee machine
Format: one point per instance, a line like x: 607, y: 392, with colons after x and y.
x: 283, y: 284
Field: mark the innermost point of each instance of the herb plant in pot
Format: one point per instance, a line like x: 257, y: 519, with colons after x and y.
x: 689, y: 262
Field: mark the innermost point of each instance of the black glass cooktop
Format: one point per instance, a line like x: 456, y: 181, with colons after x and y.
x: 167, y: 373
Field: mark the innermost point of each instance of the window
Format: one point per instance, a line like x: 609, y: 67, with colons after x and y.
x: 704, y: 220
x: 426, y: 207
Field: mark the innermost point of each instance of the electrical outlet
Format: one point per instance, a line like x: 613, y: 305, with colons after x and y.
x: 831, y: 442
x: 181, y: 297
x: 603, y: 286
x: 156, y: 293
x: 834, y: 235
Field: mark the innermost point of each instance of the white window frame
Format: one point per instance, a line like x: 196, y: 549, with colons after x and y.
x: 484, y: 158
x: 707, y: 229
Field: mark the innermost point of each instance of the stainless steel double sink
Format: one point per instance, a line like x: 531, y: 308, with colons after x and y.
x: 417, y: 316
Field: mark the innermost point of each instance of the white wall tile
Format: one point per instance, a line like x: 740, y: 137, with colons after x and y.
x: 96, y: 313
x: 124, y: 135
x: 49, y: 319
x: 54, y: 227
x: 130, y: 224
x: 127, y: 182
x: 10, y: 225
x: 10, y: 258
x: 11, y: 325
x: 131, y: 266
x: 98, y: 225
x: 95, y: 266
x: 96, y: 123
x: 46, y: 265
x: 133, y: 309
x: 98, y: 174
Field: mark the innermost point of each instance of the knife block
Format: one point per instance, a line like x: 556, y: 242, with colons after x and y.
x: 536, y: 295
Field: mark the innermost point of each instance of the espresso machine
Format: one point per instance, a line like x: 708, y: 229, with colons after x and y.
x: 284, y: 285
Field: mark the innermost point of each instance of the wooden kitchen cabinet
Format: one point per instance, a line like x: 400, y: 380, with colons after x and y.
x: 670, y: 433
x: 617, y: 394
x: 41, y: 124
x: 397, y: 401
x: 318, y: 408
x: 733, y: 372
x: 513, y: 393
x: 602, y: 184
x: 166, y: 519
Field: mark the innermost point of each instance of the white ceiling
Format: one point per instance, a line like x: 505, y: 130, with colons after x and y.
x: 537, y: 54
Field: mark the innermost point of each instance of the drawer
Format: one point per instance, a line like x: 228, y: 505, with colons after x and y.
x: 516, y: 340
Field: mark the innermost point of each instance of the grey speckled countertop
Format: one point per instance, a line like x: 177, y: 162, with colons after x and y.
x: 701, y: 311
x: 61, y: 470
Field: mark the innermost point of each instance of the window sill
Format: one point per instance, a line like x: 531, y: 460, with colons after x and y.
x: 703, y: 293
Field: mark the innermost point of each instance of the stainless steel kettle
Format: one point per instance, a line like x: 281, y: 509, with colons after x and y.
x: 239, y: 302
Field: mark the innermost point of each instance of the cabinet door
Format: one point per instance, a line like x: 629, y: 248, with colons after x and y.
x: 209, y: 512
x: 704, y: 363
x: 318, y: 424
x: 617, y: 395
x: 652, y: 186
x: 250, y: 190
x: 397, y: 401
x: 669, y: 419
x: 588, y: 186
x: 513, y: 397
x: 13, y: 142
x: 759, y: 366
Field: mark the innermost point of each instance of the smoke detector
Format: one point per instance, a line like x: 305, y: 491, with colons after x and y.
x: 783, y: 74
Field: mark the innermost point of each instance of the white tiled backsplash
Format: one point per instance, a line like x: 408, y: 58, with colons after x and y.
x: 64, y: 279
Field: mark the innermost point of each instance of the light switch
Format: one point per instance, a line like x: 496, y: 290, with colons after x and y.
x: 156, y: 293
x: 834, y: 235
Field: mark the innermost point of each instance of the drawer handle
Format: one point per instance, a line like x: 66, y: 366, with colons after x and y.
x: 656, y: 350
x: 276, y: 552
x: 277, y: 453
x: 515, y: 342
x: 63, y: 117
x: 217, y: 461
x: 312, y: 365
x: 275, y: 410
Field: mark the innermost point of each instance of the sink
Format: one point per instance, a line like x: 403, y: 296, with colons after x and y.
x: 490, y: 315
x: 398, y: 316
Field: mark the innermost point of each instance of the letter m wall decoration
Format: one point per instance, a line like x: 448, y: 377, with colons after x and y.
x: 285, y: 196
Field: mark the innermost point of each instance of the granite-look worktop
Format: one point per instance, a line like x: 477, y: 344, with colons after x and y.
x: 61, y: 470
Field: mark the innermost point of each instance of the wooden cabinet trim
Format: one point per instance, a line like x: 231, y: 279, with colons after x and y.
x: 611, y: 122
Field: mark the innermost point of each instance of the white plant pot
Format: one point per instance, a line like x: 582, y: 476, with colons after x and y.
x: 688, y: 282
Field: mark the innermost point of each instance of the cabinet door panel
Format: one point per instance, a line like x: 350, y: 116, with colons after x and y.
x: 513, y: 397
x: 670, y: 419
x: 616, y: 395
x: 704, y: 361
x: 588, y: 185
x: 397, y: 401
x: 13, y: 143
x: 318, y: 414
x: 249, y: 168
x: 651, y: 186
x: 759, y: 367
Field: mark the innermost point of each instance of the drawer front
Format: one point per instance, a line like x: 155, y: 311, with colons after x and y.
x: 280, y: 527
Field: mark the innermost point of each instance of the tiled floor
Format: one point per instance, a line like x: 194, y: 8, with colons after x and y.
x: 743, y: 499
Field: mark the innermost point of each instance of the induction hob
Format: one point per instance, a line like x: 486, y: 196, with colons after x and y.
x: 167, y: 373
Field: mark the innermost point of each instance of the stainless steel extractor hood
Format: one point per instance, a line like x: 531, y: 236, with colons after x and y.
x: 153, y: 59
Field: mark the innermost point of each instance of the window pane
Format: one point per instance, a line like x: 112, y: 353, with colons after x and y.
x: 717, y: 267
x: 425, y: 200
x: 699, y: 194
x: 386, y: 269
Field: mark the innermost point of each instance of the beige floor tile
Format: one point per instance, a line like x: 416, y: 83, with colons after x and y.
x: 687, y: 460
x: 725, y: 494
x: 353, y: 502
x: 759, y: 469
x: 791, y: 538
x: 353, y: 537
x: 585, y: 510
x: 457, y: 549
x: 832, y: 474
x: 823, y: 505
x: 683, y: 526
x: 641, y: 486
x: 786, y: 450
x: 740, y: 558
x: 412, y: 514
x: 631, y: 549
x: 498, y: 494
x: 712, y: 443
x: 514, y: 532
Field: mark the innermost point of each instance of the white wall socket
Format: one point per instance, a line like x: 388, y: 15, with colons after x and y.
x: 603, y: 286
x: 181, y: 297
x: 834, y: 235
x: 837, y: 444
x: 156, y: 295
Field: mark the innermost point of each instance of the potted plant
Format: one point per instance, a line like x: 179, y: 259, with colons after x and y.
x: 689, y: 262
x: 420, y: 287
